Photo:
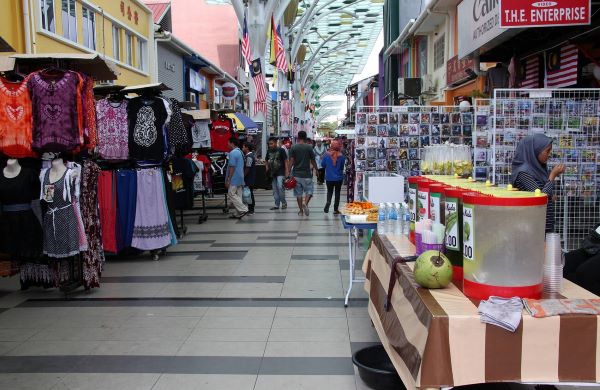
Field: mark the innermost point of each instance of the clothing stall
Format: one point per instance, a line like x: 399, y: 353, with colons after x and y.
x: 84, y: 172
x: 49, y: 222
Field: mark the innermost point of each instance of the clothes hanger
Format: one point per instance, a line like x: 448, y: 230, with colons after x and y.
x: 12, y: 76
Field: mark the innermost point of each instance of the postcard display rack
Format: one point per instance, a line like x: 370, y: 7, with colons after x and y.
x: 571, y: 118
x: 483, y: 155
x: 390, y: 139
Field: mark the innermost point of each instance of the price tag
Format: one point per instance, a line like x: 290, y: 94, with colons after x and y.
x: 412, y: 202
x: 468, y: 233
x: 423, y: 205
x: 452, y: 220
x: 434, y: 207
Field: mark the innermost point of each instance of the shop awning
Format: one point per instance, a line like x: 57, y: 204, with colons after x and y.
x: 243, y: 122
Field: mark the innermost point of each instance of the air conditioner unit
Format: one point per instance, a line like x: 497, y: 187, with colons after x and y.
x: 427, y: 83
x: 191, y: 97
x: 409, y: 87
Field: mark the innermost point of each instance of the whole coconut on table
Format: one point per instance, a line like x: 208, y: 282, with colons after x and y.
x: 433, y: 270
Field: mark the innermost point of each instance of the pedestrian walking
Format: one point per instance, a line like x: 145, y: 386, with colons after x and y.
x: 320, y: 150
x: 333, y: 164
x: 301, y: 165
x: 235, y: 180
x: 249, y: 172
x: 276, y: 169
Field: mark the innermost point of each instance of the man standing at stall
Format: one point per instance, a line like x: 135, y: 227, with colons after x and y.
x: 235, y: 180
x: 302, y: 163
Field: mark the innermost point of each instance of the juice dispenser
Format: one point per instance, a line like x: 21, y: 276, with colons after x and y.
x: 453, y: 217
x: 503, y: 244
x: 423, y: 198
x: 412, y: 205
x: 436, y: 203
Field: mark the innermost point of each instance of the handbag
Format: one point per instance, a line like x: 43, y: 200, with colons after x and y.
x: 246, y: 195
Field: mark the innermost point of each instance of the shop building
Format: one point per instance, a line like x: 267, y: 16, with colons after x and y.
x: 425, y: 53
x: 122, y: 31
x: 446, y: 53
x: 209, y: 28
x: 190, y: 75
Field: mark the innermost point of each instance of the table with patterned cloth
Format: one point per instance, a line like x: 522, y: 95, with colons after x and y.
x: 435, y: 337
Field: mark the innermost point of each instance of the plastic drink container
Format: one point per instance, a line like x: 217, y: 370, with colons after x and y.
x: 437, y: 203
x: 412, y: 205
x: 453, y: 215
x: 503, y: 244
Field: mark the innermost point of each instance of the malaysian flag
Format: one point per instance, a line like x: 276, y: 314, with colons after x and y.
x: 562, y: 66
x: 246, y: 43
x: 286, y: 107
x: 258, y: 77
x: 530, y: 72
x: 282, y: 64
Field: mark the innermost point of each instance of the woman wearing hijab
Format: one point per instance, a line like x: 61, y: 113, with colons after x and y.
x: 530, y: 170
x: 333, y: 162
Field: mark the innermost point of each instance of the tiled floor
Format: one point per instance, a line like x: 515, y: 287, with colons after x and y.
x: 255, y: 304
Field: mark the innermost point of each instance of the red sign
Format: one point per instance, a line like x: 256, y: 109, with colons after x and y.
x: 456, y: 70
x: 544, y: 13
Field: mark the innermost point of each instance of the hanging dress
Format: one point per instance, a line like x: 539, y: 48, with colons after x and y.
x: 151, y: 228
x: 126, y: 206
x: 20, y: 230
x: 61, y: 234
x: 15, y: 120
x: 93, y: 257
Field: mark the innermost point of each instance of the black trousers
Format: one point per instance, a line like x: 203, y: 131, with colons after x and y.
x: 321, y: 175
x: 337, y: 186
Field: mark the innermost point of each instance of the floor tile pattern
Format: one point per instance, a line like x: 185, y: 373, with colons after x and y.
x: 254, y: 304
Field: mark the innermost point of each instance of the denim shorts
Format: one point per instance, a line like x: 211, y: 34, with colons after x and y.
x: 304, y: 186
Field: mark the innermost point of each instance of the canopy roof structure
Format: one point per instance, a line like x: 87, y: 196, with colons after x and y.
x: 357, y: 24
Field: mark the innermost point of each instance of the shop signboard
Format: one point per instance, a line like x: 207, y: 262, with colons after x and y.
x: 478, y: 24
x: 544, y: 13
x: 457, y: 71
x: 230, y: 91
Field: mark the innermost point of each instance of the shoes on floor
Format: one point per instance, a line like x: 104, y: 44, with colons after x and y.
x: 242, y: 215
x: 336, y: 212
x: 284, y: 206
x: 301, y: 212
x: 306, y: 210
x: 250, y: 213
x: 274, y: 208
x: 326, y: 209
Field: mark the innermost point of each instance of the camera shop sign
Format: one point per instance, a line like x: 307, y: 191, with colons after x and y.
x: 534, y: 13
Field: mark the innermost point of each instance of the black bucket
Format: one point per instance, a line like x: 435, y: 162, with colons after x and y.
x: 376, y: 369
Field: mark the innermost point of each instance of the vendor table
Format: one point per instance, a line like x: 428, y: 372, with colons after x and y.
x: 435, y: 338
x: 353, y: 240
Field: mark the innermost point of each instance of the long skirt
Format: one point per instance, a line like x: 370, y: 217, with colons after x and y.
x: 126, y: 201
x: 151, y: 228
x: 108, y: 210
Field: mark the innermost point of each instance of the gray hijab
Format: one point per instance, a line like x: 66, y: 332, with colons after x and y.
x: 526, y: 158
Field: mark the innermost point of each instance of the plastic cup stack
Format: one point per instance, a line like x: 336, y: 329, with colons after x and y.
x: 553, y: 264
x: 431, y: 242
x: 421, y: 227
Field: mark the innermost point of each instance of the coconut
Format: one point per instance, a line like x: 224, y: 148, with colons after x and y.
x: 433, y: 270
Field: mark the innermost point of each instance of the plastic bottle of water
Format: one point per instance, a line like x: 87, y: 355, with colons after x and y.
x: 392, y: 218
x: 398, y: 222
x: 405, y: 220
x: 382, y: 219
